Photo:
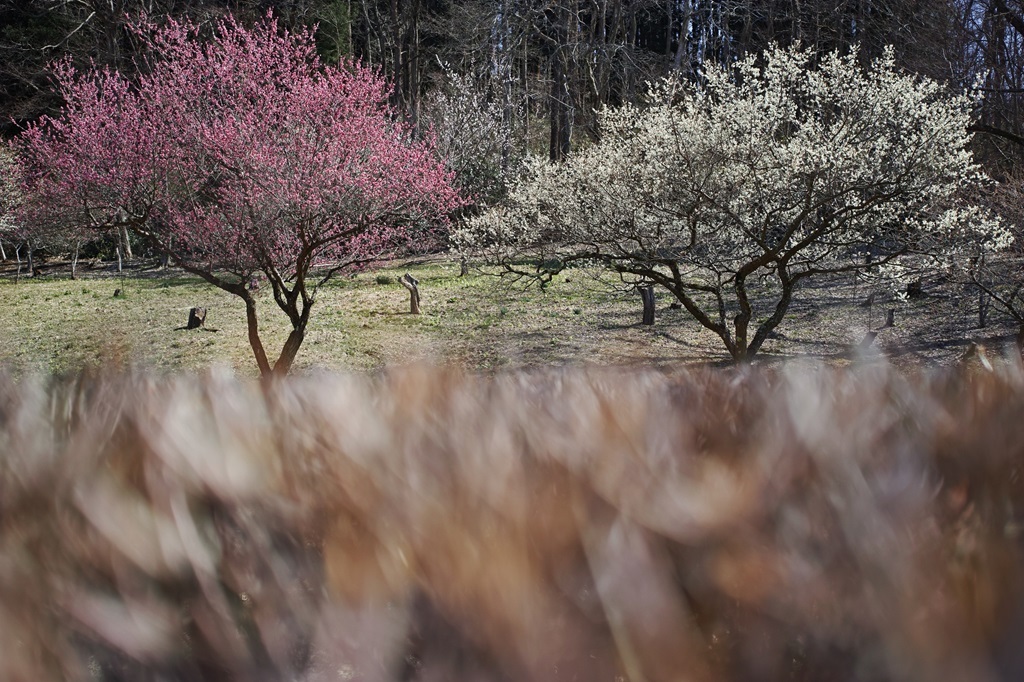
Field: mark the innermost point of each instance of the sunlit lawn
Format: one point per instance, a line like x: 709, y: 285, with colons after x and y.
x: 53, y: 323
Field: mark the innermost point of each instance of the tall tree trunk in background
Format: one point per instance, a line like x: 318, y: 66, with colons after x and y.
x: 396, y: 54
x: 683, y: 39
x: 411, y: 67
x: 560, y: 99
x: 561, y: 132
x: 404, y: 20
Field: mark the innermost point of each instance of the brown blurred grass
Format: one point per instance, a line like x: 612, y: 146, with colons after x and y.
x: 429, y: 524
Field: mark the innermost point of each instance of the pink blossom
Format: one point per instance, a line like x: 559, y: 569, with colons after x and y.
x: 238, y: 154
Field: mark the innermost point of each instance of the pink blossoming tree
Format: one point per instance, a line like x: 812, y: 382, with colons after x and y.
x: 237, y: 156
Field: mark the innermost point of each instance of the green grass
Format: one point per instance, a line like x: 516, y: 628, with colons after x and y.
x: 479, y: 321
x: 56, y: 324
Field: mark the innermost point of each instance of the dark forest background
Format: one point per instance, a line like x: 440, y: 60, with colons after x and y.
x: 548, y: 65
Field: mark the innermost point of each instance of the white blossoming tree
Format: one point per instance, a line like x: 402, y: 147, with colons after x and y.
x: 10, y: 197
x: 998, y: 274
x: 732, y: 193
x: 474, y: 135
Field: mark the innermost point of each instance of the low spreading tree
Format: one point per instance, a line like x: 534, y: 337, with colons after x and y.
x: 731, y: 193
x: 240, y: 155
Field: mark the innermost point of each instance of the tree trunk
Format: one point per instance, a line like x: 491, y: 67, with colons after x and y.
x: 254, y: 336
x: 647, y: 297
x: 561, y: 132
x: 125, y: 243
x: 289, y: 351
x: 74, y: 260
x: 412, y: 284
x: 1020, y: 337
x: 983, y: 304
x: 17, y: 254
x: 3, y: 254
x: 559, y: 104
x: 31, y: 265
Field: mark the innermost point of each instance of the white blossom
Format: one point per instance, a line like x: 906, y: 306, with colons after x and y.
x: 786, y: 167
x: 474, y: 135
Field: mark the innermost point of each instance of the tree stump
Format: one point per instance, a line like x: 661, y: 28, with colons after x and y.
x: 412, y: 284
x: 890, y: 318
x: 196, y: 318
x: 647, y: 297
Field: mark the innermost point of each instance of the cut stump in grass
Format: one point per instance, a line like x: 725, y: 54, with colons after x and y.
x: 890, y: 318
x: 196, y: 318
x: 647, y: 297
x: 412, y: 284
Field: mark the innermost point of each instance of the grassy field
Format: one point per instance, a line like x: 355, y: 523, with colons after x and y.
x: 53, y: 323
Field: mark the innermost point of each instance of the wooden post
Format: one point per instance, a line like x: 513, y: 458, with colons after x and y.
x: 647, y: 297
x: 412, y: 284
